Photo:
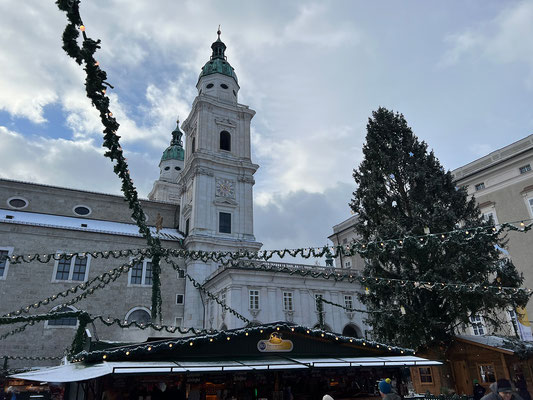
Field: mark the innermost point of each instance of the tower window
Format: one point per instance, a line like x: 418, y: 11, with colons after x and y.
x: 177, y: 168
x: 193, y: 145
x: 167, y: 168
x: 187, y: 227
x: 224, y: 222
x: 223, y: 86
x: 225, y: 141
x: 235, y: 93
x: 209, y: 86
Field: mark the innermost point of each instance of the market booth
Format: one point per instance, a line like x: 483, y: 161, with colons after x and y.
x: 274, y: 361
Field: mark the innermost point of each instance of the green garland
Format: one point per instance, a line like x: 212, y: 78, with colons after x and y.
x: 357, y: 247
x: 172, y: 346
x: 104, y: 278
x: 46, y: 258
x: 95, y: 85
x: 322, y: 300
x: 200, y: 287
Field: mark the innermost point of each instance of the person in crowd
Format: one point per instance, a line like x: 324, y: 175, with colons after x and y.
x: 386, y: 392
x: 501, y: 390
x: 479, y: 391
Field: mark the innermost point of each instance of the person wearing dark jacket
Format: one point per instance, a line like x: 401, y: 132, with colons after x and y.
x: 479, y: 390
x: 386, y: 392
x: 501, y: 390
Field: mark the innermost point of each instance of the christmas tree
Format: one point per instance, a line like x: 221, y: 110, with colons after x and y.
x: 403, y: 191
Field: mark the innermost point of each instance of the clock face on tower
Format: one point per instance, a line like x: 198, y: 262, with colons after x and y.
x: 225, y: 188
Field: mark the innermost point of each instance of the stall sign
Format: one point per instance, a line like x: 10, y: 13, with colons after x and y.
x: 274, y: 344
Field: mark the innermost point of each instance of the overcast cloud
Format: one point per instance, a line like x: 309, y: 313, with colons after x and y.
x: 461, y: 73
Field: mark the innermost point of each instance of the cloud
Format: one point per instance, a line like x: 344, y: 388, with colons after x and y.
x: 61, y: 162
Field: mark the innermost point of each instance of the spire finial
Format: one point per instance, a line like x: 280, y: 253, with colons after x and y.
x: 219, y: 32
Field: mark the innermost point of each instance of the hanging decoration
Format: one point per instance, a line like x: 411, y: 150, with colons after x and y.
x: 200, y: 287
x: 349, y: 309
x: 96, y: 85
x: 175, y: 346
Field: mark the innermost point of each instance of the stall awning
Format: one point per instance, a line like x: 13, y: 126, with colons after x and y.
x: 82, y: 372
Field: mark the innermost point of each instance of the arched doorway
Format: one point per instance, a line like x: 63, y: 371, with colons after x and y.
x: 352, y: 331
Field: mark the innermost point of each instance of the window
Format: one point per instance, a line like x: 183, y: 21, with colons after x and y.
x: 140, y: 315
x: 348, y: 301
x: 224, y: 222
x: 477, y: 325
x: 193, y: 145
x: 178, y: 322
x: 81, y: 210
x: 287, y: 301
x: 487, y: 216
x: 425, y: 375
x: 530, y: 201
x: 67, y: 321
x: 179, y: 299
x: 486, y: 373
x: 74, y: 269
x: 5, y: 252
x: 348, y: 264
x: 525, y: 168
x: 254, y: 299
x: 141, y: 274
x: 480, y: 186
x: 209, y: 86
x: 181, y: 274
x: 187, y: 227
x: 17, y: 202
x: 224, y: 86
x: 225, y: 141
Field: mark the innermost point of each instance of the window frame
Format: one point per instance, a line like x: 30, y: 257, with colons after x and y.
x: 73, y: 259
x: 220, y: 222
x: 254, y: 299
x: 56, y: 308
x: 481, y: 380
x: 477, y: 323
x: 348, y: 299
x: 479, y: 186
x: 182, y: 299
x: 492, y: 212
x: 9, y: 250
x: 224, y: 137
x: 430, y: 375
x: 288, y: 299
x: 143, y: 275
x: 17, y: 198
x: 138, y: 308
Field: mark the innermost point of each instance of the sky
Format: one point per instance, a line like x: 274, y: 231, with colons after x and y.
x: 461, y: 72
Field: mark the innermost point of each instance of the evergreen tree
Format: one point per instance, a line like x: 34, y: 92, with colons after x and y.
x: 402, y: 191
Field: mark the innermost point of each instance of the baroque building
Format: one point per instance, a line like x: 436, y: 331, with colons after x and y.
x: 203, y: 200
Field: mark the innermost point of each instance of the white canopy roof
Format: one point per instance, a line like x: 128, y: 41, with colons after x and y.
x: 81, y: 372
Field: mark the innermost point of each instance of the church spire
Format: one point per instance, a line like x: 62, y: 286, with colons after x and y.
x: 218, y: 47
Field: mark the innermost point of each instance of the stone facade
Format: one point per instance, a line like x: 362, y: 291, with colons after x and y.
x: 204, y: 196
x: 502, y: 184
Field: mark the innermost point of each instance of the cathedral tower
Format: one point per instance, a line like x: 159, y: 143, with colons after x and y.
x: 217, y: 180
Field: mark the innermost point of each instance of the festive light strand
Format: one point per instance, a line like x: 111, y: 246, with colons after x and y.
x: 96, y: 85
x: 176, y: 346
x: 46, y: 258
x: 357, y: 247
x: 104, y: 278
x: 200, y: 287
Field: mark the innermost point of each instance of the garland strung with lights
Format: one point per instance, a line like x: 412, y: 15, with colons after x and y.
x: 105, y: 279
x: 17, y: 330
x: 357, y: 247
x: 173, y: 346
x: 170, y: 329
x: 321, y: 300
x: 33, y: 358
x: 200, y: 287
x: 96, y: 85
x: 46, y: 258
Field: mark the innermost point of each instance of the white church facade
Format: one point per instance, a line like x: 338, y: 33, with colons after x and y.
x: 205, y: 197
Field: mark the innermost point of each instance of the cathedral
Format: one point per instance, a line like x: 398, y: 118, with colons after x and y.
x: 203, y: 200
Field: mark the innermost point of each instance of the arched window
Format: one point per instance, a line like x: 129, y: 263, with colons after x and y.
x: 193, y: 145
x: 352, y: 330
x: 140, y: 315
x: 225, y: 141
x: 67, y: 321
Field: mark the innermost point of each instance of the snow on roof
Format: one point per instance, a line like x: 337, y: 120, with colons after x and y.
x: 497, y: 342
x: 81, y: 224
